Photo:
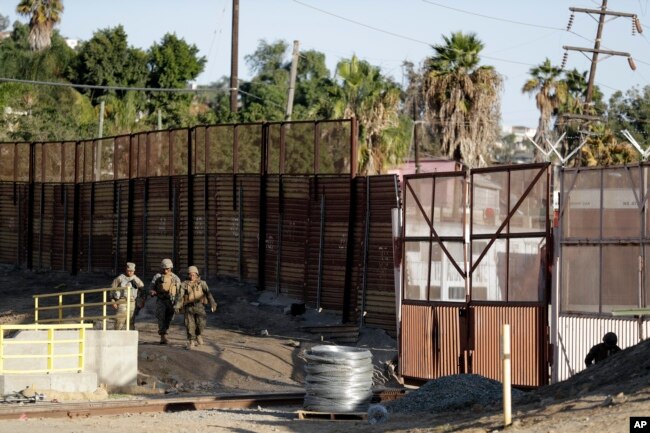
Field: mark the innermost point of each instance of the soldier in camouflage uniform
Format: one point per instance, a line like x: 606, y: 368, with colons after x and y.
x: 194, y: 295
x: 119, y: 295
x: 164, y: 286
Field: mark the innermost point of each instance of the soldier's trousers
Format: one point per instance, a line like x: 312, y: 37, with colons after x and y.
x: 120, y: 317
x: 164, y: 314
x: 195, y: 320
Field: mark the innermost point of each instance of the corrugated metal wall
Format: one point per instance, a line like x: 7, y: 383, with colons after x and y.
x: 577, y: 334
x: 528, y: 340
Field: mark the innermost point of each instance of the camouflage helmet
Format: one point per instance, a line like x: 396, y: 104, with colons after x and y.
x: 610, y: 339
x: 193, y: 269
x: 166, y: 264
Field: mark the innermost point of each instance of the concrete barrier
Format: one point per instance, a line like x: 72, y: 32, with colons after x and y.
x: 110, y: 357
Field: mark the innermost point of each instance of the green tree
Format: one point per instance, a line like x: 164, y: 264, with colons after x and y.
x: 173, y: 63
x: 550, y: 92
x: 373, y: 100
x: 43, y: 16
x: 631, y: 111
x: 107, y: 60
x: 264, y: 97
x: 462, y: 99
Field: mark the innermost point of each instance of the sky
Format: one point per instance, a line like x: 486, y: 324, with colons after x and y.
x: 517, y: 34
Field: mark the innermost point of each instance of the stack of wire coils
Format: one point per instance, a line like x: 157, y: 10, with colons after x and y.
x: 338, y: 380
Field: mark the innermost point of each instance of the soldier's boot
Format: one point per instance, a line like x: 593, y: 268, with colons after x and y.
x: 163, y: 339
x: 190, y: 344
x: 199, y: 340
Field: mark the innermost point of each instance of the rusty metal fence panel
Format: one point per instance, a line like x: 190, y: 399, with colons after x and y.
x: 417, y: 352
x: 529, y: 367
x: 196, y: 195
x: 162, y: 223
x: 376, y: 196
x: 329, y: 210
x: 291, y: 234
x: 13, y: 223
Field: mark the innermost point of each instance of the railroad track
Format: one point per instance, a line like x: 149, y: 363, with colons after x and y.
x: 116, y: 407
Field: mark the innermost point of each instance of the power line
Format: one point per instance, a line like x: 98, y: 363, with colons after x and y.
x: 408, y: 38
x: 98, y: 87
x: 493, y: 18
x: 377, y: 29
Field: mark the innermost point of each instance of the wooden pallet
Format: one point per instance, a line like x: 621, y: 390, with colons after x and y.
x: 332, y: 416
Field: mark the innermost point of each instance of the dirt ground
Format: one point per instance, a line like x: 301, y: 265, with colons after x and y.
x: 252, y: 345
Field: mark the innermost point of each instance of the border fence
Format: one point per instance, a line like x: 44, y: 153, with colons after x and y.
x: 276, y: 204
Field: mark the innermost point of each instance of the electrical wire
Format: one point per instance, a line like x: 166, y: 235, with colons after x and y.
x: 99, y: 87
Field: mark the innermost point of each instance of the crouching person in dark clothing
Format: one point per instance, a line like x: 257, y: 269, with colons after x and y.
x: 603, y: 350
x: 194, y: 295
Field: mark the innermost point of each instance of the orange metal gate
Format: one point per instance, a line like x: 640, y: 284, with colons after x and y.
x: 474, y: 259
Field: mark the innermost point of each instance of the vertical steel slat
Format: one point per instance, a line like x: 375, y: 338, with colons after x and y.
x: 319, y: 284
x: 145, y: 202
x: 91, y: 211
x: 240, y: 254
x: 65, y: 227
x: 118, y: 234
x: 41, y: 213
x: 174, y: 252
x: 366, y: 236
x: 206, y: 225
x: 278, y: 255
x: 191, y: 168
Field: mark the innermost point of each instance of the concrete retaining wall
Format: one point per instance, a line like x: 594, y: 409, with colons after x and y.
x: 110, y: 356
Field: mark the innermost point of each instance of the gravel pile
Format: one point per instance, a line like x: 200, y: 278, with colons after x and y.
x: 459, y: 391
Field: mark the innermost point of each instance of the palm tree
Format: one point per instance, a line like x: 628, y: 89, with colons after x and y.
x: 374, y: 101
x: 462, y: 99
x: 550, y: 93
x: 43, y: 15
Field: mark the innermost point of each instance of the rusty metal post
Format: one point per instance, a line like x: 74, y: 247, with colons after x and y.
x: 261, y: 238
x: 349, y: 255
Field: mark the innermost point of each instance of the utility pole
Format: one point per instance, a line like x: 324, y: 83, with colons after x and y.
x: 603, y: 13
x: 292, y: 79
x: 234, y: 53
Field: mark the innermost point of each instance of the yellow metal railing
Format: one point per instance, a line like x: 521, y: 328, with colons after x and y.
x: 80, y: 306
x: 51, y: 343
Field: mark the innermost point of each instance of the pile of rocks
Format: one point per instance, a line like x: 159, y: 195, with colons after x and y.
x: 460, y: 391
